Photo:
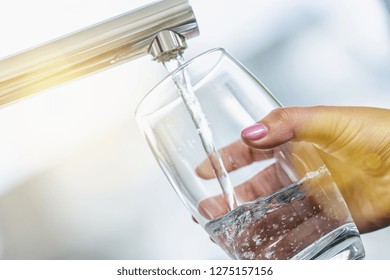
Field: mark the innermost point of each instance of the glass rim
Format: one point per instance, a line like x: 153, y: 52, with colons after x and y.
x: 220, y: 51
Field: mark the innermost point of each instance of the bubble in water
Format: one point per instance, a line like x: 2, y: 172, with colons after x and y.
x: 257, y: 239
x: 249, y: 255
x: 269, y: 255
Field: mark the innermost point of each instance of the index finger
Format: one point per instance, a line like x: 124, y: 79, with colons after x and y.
x: 234, y: 156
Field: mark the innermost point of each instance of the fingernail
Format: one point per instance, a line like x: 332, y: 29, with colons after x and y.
x: 254, y: 132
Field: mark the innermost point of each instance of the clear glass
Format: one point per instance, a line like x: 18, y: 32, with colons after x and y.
x: 287, y: 205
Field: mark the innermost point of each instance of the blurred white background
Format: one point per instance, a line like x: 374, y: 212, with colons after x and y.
x: 77, y: 180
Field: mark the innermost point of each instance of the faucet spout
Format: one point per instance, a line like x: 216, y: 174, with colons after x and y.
x: 167, y: 45
x: 160, y: 28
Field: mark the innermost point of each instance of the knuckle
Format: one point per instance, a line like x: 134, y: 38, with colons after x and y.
x: 281, y: 115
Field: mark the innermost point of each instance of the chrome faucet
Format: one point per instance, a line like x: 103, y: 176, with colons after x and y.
x: 159, y: 29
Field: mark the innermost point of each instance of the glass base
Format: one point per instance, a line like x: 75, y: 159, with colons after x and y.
x: 343, y: 243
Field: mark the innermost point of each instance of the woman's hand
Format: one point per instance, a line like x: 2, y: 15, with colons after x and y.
x: 354, y: 143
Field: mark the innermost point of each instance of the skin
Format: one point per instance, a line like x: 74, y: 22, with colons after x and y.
x: 353, y: 142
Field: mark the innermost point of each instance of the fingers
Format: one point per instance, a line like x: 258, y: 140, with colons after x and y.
x: 234, y: 156
x: 213, y: 207
x: 266, y: 182
x: 312, y: 124
x: 279, y: 127
x: 327, y: 126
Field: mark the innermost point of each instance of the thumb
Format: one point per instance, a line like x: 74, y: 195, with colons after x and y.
x: 357, y: 135
x: 319, y: 125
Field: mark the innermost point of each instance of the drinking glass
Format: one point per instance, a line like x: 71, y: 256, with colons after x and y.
x: 280, y: 203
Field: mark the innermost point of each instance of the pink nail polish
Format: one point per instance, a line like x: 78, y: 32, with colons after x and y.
x: 254, y: 132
